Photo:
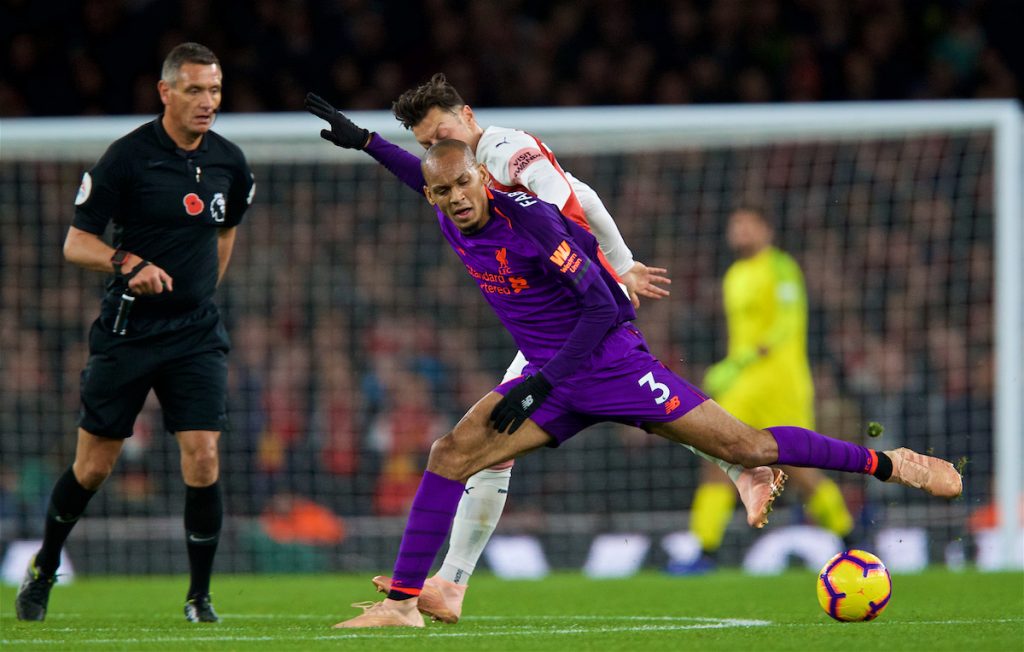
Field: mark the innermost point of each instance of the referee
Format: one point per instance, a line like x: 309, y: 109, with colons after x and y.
x: 175, y: 191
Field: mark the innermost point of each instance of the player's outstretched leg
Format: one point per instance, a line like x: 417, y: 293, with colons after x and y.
x: 440, y: 599
x: 803, y: 447
x: 718, y: 433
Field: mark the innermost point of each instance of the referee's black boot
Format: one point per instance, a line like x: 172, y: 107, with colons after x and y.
x: 199, y: 609
x: 34, y: 593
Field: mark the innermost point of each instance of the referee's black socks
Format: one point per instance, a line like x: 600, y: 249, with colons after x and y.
x: 67, y: 502
x: 204, y: 514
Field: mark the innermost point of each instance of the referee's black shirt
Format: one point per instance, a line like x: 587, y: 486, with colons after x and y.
x: 167, y: 206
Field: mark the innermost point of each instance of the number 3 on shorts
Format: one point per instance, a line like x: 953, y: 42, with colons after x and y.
x: 655, y: 386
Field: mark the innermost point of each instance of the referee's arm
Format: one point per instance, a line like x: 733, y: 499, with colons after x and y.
x: 88, y: 250
x: 225, y: 245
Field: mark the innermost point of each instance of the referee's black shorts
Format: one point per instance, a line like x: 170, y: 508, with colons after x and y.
x: 184, y: 362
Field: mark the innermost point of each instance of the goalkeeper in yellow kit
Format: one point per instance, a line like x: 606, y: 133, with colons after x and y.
x: 765, y: 379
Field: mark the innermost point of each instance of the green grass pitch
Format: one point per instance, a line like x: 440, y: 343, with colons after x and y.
x: 935, y: 610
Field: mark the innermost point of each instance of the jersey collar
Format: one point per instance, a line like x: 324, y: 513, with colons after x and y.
x: 167, y: 143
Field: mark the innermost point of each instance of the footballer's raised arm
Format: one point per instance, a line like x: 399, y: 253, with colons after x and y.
x: 345, y: 133
x: 398, y: 162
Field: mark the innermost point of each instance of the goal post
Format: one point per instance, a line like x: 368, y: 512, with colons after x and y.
x: 936, y: 185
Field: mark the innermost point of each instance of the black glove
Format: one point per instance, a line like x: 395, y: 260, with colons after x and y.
x: 520, y: 402
x: 343, y: 132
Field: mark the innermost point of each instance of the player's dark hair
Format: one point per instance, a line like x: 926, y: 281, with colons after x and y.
x: 186, y: 53
x: 414, y: 104
x: 440, y: 148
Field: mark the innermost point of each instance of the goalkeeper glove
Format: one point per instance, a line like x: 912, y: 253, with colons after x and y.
x: 722, y: 375
x: 520, y: 402
x: 343, y: 132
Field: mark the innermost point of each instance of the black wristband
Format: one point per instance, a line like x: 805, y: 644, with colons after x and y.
x: 118, y: 259
x: 135, y: 270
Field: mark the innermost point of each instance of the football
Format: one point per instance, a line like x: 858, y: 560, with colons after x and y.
x: 854, y: 586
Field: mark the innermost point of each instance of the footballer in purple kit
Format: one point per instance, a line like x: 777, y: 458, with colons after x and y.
x: 607, y: 373
x: 587, y: 364
x: 519, y: 161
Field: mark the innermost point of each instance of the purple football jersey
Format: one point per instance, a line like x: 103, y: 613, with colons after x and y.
x: 532, y: 266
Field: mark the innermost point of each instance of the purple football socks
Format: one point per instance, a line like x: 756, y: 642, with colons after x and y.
x: 433, y: 510
x: 803, y: 447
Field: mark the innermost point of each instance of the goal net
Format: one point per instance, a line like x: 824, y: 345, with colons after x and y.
x: 358, y: 339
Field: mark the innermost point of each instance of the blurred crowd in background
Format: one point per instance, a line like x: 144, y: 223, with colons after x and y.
x: 358, y: 339
x: 77, y: 57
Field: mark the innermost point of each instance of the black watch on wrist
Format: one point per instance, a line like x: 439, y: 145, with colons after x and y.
x: 118, y: 259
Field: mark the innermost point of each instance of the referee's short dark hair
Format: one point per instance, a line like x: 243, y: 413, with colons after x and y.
x: 414, y: 104
x: 186, y: 53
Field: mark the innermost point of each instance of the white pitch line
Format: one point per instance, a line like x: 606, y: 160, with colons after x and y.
x: 722, y: 623
x: 706, y: 623
x: 700, y: 619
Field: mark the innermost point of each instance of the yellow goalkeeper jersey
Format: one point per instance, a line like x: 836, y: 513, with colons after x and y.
x: 766, y: 312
